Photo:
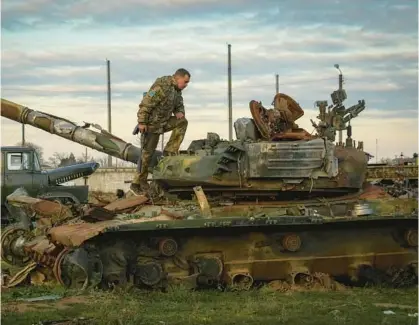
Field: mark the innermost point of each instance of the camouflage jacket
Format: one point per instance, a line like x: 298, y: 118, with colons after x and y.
x: 161, y: 101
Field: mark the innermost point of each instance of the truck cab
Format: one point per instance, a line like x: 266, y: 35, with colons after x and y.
x: 20, y: 167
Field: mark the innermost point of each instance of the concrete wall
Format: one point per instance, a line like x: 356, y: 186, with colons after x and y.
x: 108, y: 180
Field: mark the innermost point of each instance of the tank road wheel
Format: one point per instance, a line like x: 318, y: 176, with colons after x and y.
x: 209, y: 269
x: 411, y: 237
x: 149, y: 273
x: 78, y: 268
x: 241, y: 282
x: 12, y: 242
x: 291, y: 242
x: 168, y: 247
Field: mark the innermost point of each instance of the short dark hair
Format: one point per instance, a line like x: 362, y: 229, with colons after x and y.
x: 182, y: 72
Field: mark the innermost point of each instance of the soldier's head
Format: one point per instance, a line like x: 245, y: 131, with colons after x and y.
x: 182, y: 77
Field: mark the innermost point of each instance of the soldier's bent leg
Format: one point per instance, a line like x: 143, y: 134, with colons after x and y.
x: 150, y: 144
x: 178, y: 128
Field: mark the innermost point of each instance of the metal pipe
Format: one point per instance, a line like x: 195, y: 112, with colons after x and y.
x: 108, y: 65
x: 230, y: 100
x: 340, y: 88
x: 23, y: 134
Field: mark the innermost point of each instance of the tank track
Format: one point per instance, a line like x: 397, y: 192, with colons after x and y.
x: 240, y: 253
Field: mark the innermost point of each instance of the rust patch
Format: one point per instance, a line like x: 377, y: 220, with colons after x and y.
x: 294, y: 108
x: 126, y: 203
x: 76, y: 234
x: 279, y: 123
x: 94, y: 214
x: 373, y: 192
x: 45, y: 208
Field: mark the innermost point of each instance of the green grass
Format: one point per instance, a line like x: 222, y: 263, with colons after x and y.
x: 180, y: 306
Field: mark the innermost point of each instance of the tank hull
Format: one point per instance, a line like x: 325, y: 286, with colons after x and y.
x: 129, y: 242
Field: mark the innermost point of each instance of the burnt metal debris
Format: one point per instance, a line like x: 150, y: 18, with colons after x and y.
x: 368, y: 237
x: 277, y: 204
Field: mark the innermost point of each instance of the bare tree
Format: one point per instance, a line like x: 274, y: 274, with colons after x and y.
x: 56, y: 159
x: 60, y: 159
x: 102, y: 160
x: 387, y: 161
x: 38, y: 149
x: 84, y: 158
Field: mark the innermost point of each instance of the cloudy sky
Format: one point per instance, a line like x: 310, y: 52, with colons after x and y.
x: 54, y: 60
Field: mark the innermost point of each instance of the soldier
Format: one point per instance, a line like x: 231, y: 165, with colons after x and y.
x: 155, y: 117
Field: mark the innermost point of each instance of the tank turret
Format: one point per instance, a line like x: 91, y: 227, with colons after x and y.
x: 271, y: 156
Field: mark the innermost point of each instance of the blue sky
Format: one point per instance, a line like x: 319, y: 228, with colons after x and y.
x: 54, y: 52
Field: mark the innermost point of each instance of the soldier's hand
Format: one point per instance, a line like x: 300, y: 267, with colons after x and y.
x: 179, y: 115
x: 142, y: 127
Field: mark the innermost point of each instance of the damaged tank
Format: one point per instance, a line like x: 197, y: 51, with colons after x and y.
x: 277, y: 204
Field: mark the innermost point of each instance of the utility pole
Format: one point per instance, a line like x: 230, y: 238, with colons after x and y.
x: 230, y: 100
x: 277, y: 83
x: 85, y: 160
x: 340, y: 88
x: 23, y: 134
x: 108, y: 65
x: 376, y: 150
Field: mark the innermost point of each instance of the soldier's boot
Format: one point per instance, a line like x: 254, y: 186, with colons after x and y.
x: 176, y: 138
x: 139, y: 185
x: 136, y: 189
x: 136, y: 184
x: 142, y: 188
x: 145, y: 187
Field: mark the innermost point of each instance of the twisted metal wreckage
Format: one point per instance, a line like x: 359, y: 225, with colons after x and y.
x: 277, y: 204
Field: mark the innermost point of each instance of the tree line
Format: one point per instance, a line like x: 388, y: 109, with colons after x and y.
x: 62, y: 159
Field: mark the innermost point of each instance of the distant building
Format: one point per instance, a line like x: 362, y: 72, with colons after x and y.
x: 406, y: 161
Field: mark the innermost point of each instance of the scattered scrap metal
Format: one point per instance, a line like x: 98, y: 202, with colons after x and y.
x: 131, y: 241
x: 280, y: 204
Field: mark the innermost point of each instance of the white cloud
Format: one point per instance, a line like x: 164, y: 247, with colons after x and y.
x: 62, y: 71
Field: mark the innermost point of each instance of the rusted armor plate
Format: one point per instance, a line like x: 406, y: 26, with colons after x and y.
x: 293, y: 107
x: 126, y: 203
x: 278, y: 124
x: 74, y: 235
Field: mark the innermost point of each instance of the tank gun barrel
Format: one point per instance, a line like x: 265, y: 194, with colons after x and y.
x: 102, y: 141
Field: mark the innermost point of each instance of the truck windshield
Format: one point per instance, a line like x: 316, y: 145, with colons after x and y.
x: 36, y: 163
x: 18, y: 160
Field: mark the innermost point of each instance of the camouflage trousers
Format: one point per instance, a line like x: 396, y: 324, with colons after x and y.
x: 178, y: 128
